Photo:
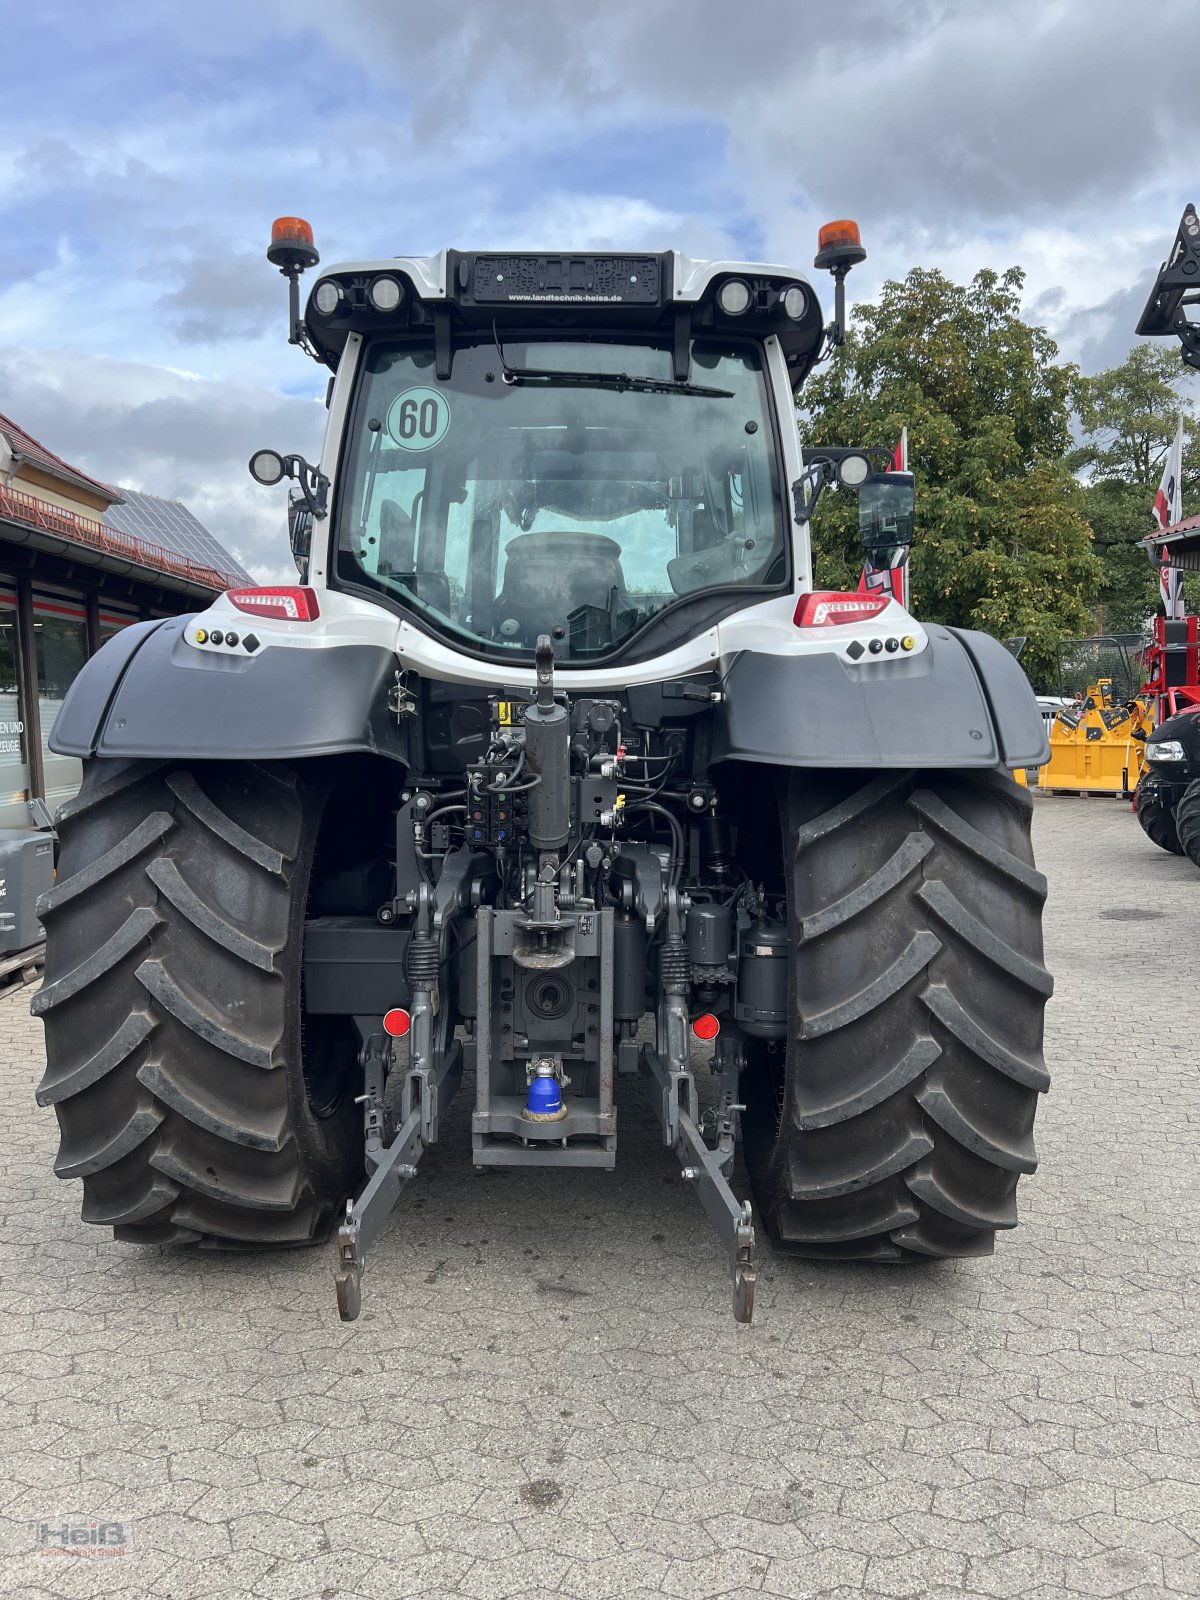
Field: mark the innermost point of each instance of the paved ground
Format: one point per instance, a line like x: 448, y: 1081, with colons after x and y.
x: 546, y: 1394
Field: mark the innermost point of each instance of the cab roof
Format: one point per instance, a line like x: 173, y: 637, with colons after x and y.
x: 668, y: 292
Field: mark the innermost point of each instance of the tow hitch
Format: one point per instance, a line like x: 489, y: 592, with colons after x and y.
x: 547, y: 1014
x: 672, y: 1092
x: 671, y: 1095
x: 433, y: 1076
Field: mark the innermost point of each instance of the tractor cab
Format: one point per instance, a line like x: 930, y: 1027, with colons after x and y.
x: 600, y: 448
x: 565, y: 486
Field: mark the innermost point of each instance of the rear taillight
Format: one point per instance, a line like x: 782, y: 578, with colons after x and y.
x: 823, y: 608
x: 288, y: 604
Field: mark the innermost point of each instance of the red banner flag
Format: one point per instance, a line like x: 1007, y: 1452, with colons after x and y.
x: 1170, y: 591
x: 886, y: 580
x: 1166, y: 511
x: 1168, y: 502
x: 890, y: 580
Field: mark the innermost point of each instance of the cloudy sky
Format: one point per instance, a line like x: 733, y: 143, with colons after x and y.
x: 147, y: 147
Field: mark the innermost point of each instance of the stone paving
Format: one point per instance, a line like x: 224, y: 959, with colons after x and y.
x: 546, y: 1394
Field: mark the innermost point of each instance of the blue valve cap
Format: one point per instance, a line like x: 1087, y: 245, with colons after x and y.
x: 545, y: 1097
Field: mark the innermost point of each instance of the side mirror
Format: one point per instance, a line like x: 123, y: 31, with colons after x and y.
x: 300, y: 522
x: 886, y: 507
x: 269, y: 467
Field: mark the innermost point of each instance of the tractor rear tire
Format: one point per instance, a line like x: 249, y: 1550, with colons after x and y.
x: 899, y: 1117
x: 1187, y: 822
x: 172, y: 1005
x: 1158, y: 821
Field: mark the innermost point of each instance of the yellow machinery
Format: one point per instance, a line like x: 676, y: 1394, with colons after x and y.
x: 1098, y: 743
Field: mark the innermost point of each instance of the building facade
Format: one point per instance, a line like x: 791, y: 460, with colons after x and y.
x: 79, y: 560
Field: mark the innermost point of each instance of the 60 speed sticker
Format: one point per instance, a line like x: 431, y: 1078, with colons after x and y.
x: 418, y: 418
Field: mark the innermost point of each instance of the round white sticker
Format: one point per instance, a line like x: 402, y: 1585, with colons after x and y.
x: 418, y: 418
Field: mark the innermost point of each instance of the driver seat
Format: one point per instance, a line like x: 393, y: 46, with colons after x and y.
x: 397, y: 558
x: 549, y: 576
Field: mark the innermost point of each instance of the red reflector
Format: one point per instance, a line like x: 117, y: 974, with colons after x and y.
x: 397, y: 1022
x: 706, y: 1026
x: 290, y: 605
x: 823, y: 608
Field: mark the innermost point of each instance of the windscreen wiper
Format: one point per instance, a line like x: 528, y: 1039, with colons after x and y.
x: 619, y: 381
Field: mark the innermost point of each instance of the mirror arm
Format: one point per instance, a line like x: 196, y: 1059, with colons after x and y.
x: 314, y: 485
x: 821, y: 469
x: 806, y: 490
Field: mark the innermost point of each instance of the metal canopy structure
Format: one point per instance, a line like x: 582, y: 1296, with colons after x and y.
x: 1177, y: 287
x: 1176, y: 546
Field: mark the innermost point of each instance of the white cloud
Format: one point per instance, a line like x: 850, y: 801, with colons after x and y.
x: 169, y: 434
x: 143, y: 334
x: 609, y: 222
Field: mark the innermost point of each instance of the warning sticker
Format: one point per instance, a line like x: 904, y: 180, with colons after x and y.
x: 418, y: 418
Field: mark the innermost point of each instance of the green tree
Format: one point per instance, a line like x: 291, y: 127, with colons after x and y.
x: 1002, y: 541
x: 1127, y: 416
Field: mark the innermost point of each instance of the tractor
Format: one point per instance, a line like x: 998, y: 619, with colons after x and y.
x: 1168, y: 795
x: 553, y: 775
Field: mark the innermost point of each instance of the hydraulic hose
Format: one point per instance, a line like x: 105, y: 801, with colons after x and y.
x: 676, y: 832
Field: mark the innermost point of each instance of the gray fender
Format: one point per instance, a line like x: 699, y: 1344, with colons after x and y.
x: 963, y: 702
x: 149, y: 694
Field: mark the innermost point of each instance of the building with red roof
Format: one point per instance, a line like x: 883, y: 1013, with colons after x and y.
x: 79, y: 560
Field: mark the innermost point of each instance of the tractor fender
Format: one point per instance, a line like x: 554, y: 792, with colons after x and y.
x: 961, y: 702
x: 148, y: 694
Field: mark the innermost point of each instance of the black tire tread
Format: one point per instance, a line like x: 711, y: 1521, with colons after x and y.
x: 104, y: 1146
x: 76, y: 1076
x: 905, y: 860
x: 202, y: 1020
x: 876, y: 1088
x: 1157, y: 820
x: 168, y: 878
x: 98, y: 963
x: 913, y: 959
x: 950, y: 911
x: 147, y: 833
x: 904, y: 1117
x: 117, y: 777
x: 183, y: 786
x: 171, y: 1006
x: 258, y: 1128
x: 1187, y: 822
